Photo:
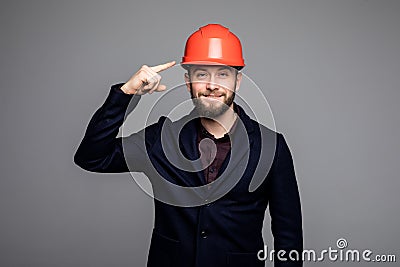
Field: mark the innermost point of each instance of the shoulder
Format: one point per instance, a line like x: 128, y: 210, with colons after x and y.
x: 273, y: 140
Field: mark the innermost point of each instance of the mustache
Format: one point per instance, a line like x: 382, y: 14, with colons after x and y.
x: 205, y: 94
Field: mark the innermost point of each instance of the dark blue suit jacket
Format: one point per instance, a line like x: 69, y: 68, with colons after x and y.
x: 226, y: 231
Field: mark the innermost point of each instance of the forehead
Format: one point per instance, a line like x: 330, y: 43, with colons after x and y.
x: 210, y: 68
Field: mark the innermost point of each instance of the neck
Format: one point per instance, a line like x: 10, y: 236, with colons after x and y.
x: 220, y: 125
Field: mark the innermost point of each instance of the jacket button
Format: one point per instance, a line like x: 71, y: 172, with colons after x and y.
x: 203, y: 234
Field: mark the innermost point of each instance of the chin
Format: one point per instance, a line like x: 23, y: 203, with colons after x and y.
x: 210, y: 110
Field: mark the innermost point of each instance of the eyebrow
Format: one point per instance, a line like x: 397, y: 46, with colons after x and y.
x: 221, y: 68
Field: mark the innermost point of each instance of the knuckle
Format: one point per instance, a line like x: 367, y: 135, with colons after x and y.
x: 142, y: 73
x: 154, y: 79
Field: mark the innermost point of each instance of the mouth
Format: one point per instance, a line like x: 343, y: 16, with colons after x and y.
x: 212, y: 96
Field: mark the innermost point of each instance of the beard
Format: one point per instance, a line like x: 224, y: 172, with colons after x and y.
x: 211, y: 108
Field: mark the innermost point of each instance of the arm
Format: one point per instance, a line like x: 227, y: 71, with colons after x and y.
x: 100, y: 150
x: 284, y: 206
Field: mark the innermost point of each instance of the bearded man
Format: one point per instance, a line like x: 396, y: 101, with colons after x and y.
x: 206, y: 215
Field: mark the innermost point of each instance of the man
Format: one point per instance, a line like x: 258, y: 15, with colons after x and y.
x: 213, y: 172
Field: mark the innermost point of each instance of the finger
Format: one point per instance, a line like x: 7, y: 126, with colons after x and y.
x: 151, y: 83
x: 161, y: 88
x: 154, y: 86
x: 147, y: 76
x: 153, y: 80
x: 158, y: 76
x: 144, y: 77
x: 162, y: 67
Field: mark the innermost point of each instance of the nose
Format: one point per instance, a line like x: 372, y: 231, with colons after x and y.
x: 211, y: 85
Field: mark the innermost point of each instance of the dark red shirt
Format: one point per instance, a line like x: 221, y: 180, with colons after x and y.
x: 207, y: 150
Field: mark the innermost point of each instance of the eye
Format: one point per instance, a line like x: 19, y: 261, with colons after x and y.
x: 201, y: 75
x: 223, y: 74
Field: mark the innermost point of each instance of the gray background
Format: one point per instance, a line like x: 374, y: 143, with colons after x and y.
x: 330, y: 71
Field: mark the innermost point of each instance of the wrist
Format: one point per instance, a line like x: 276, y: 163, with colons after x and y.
x: 124, y: 88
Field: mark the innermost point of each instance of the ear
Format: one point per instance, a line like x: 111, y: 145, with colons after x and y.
x: 187, y: 81
x: 238, y: 80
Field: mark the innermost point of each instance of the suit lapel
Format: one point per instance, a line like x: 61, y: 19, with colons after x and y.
x: 188, y: 146
x: 242, y: 140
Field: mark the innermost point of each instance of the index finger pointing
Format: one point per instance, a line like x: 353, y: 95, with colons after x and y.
x: 162, y: 67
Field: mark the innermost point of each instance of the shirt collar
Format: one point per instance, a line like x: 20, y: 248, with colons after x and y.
x: 203, y: 133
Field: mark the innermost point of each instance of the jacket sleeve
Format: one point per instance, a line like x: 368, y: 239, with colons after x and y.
x: 285, y: 207
x: 100, y: 149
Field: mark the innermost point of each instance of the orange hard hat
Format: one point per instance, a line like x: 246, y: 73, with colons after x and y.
x: 213, y: 44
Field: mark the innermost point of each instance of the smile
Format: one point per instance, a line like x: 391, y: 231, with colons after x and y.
x: 211, y: 96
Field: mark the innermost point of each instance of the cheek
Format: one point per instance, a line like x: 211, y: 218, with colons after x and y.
x: 227, y: 84
x: 198, y: 87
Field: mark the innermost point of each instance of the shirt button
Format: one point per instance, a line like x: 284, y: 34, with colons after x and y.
x: 203, y: 234
x: 212, y: 169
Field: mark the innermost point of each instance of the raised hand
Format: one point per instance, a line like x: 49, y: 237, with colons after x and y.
x: 146, y: 80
